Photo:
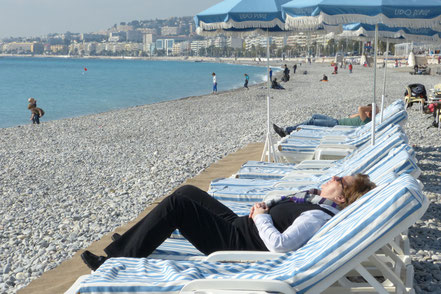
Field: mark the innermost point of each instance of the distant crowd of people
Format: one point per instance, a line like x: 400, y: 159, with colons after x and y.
x: 275, y: 84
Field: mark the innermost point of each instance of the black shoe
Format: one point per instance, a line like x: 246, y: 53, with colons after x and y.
x: 92, y: 261
x: 115, y: 237
x: 279, y: 131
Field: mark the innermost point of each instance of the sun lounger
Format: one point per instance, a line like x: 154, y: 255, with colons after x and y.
x: 353, y: 236
x: 317, y: 132
x: 296, y: 150
x: 268, y: 171
x: 220, y: 188
x: 398, y: 160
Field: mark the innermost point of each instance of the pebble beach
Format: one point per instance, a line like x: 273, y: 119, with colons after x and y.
x: 66, y: 183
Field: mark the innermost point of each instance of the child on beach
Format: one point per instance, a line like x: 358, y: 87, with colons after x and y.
x: 324, y: 78
x: 214, y: 83
x: 247, y: 78
x: 32, y: 103
x: 36, y: 112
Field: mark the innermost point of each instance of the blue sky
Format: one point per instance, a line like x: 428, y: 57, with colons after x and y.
x: 40, y: 17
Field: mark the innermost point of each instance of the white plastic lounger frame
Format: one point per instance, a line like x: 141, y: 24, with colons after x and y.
x: 340, y: 247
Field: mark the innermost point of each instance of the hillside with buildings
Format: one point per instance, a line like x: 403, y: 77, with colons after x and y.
x: 172, y: 37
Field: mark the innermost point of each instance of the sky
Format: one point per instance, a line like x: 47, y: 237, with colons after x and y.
x: 26, y: 18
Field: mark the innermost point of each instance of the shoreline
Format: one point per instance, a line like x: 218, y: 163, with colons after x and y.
x: 277, y: 73
x: 67, y: 183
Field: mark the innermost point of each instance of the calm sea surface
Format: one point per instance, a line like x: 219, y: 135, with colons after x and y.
x: 64, y: 88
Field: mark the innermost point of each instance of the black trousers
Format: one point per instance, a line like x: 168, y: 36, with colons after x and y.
x: 208, y: 224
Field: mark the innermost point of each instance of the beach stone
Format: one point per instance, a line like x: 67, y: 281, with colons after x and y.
x: 99, y: 171
x: 20, y: 276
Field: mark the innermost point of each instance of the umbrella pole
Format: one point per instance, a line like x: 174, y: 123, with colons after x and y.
x: 268, y: 148
x: 375, y: 85
x: 384, y: 80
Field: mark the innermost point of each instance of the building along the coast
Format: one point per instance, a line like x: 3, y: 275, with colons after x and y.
x: 23, y: 47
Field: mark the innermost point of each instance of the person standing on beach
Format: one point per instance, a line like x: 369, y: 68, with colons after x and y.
x: 350, y: 67
x: 271, y: 74
x: 36, y: 112
x: 294, y: 68
x: 247, y: 78
x: 214, y: 83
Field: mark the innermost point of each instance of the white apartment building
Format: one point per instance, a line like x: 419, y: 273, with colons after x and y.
x: 279, y: 41
x: 169, y: 31
x: 147, y: 41
x: 197, y: 45
x: 181, y: 48
x: 257, y: 41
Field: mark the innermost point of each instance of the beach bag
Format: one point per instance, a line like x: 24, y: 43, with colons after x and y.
x: 40, y: 111
x: 417, y: 90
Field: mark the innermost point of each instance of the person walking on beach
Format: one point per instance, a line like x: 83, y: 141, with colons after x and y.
x: 285, y: 77
x: 36, y: 112
x: 214, y: 83
x: 362, y: 117
x: 280, y: 225
x: 271, y: 74
x: 294, y: 68
x: 247, y: 79
x: 350, y: 67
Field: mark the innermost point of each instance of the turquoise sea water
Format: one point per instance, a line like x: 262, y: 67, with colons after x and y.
x: 63, y: 88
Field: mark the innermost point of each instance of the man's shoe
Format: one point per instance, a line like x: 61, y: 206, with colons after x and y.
x: 92, y: 261
x: 115, y: 237
x: 279, y: 131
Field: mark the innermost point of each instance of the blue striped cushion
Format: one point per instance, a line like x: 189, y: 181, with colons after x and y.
x: 341, y: 244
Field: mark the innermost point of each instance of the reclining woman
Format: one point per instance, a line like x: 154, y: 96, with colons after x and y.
x: 278, y: 226
x: 362, y: 117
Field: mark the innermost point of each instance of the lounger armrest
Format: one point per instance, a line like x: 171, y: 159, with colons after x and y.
x: 344, y: 128
x: 241, y: 256
x: 336, y: 146
x: 315, y: 164
x: 340, y: 138
x: 237, y: 285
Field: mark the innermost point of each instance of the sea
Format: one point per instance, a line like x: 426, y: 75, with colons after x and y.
x: 68, y: 87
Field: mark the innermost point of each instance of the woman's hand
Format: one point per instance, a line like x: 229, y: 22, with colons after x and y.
x: 258, y: 208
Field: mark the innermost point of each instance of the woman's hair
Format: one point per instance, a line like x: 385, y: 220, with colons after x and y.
x: 362, y: 185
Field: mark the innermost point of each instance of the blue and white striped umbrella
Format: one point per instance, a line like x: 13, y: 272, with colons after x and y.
x: 242, y: 14
x: 239, y: 17
x: 393, y: 13
x: 413, y: 14
x: 390, y: 33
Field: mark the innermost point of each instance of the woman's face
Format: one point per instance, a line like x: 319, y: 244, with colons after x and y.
x: 333, y: 189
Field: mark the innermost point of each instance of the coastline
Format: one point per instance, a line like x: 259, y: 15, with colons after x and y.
x: 87, y: 175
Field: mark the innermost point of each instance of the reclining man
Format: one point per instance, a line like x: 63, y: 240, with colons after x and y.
x: 363, y: 116
x: 280, y: 225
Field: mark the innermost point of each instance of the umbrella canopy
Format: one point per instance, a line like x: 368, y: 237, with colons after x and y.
x: 390, y: 33
x: 239, y: 17
x: 393, y: 13
x: 242, y: 14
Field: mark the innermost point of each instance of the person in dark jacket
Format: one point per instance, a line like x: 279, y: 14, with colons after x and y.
x: 278, y: 226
